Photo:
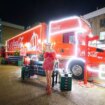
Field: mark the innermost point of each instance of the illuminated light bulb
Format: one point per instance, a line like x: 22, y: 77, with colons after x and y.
x: 27, y: 46
x: 58, y: 55
x: 102, y: 71
x: 45, y: 41
x: 21, y: 45
x: 39, y: 41
x: 95, y: 70
x: 90, y: 35
x: 67, y: 18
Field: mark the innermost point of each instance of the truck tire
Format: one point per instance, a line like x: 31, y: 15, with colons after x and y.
x: 77, y: 70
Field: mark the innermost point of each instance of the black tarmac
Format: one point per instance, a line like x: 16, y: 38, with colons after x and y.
x: 14, y: 91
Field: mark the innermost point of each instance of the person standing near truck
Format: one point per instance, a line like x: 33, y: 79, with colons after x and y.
x: 48, y: 65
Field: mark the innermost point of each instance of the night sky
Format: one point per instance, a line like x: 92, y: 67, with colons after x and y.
x: 30, y: 12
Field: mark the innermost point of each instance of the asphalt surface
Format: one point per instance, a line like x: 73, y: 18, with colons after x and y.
x: 14, y: 91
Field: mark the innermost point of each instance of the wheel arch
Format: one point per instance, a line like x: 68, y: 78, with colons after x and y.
x: 74, y: 62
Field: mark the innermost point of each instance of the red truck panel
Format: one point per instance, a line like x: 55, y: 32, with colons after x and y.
x: 30, y: 39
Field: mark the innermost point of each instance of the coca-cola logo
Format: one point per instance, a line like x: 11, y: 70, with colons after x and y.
x: 90, y: 54
x: 55, y: 28
x: 16, y: 43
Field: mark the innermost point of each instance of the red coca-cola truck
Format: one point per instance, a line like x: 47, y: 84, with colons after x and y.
x: 68, y: 37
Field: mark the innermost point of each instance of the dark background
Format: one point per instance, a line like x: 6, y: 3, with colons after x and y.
x: 29, y: 12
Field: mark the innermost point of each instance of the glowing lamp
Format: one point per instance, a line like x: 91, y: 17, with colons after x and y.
x: 58, y: 55
x: 27, y: 45
x: 102, y: 71
x: 45, y: 41
x: 39, y: 41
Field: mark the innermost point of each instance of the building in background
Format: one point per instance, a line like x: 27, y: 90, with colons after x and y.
x: 97, y: 21
x: 9, y: 30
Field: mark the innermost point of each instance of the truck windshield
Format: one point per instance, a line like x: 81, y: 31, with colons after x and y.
x: 69, y: 38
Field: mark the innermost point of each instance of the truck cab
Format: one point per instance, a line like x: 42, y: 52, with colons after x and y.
x: 68, y: 37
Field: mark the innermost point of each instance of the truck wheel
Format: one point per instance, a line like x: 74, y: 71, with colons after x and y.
x: 77, y: 70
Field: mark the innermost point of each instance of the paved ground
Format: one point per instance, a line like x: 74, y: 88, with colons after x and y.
x: 14, y: 91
